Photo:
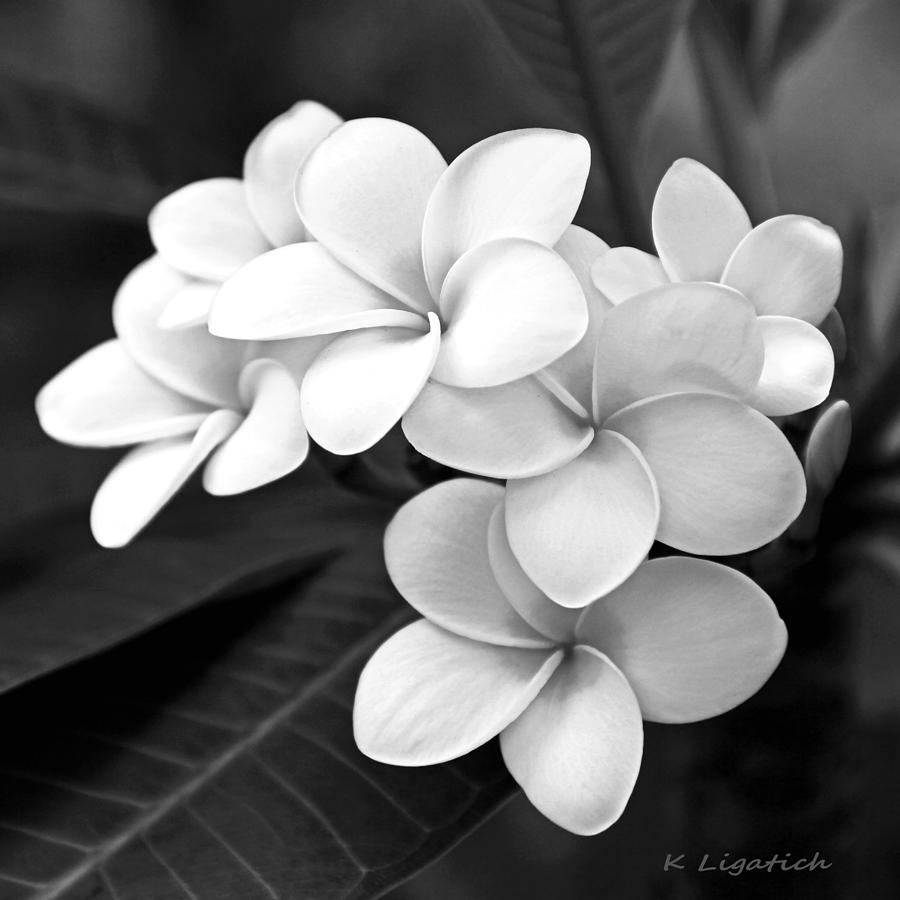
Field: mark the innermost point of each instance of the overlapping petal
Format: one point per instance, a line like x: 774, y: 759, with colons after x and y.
x: 580, y: 531
x: 436, y: 552
x: 679, y: 337
x: 515, y: 430
x: 511, y: 307
x: 798, y: 369
x: 788, y: 266
x: 728, y: 479
x: 697, y: 222
x: 189, y: 360
x: 627, y: 271
x: 271, y: 164
x: 301, y: 290
x: 189, y: 306
x: 205, y: 229
x: 360, y: 385
x: 693, y: 638
x: 146, y: 478
x: 428, y: 695
x: 363, y: 193
x: 573, y: 370
x: 532, y: 604
x: 525, y: 184
x: 104, y: 399
x: 576, y: 750
x: 270, y: 442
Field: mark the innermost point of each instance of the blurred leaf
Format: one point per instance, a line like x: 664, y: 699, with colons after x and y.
x: 215, y: 760
x: 64, y: 598
x: 602, y: 60
x: 59, y: 154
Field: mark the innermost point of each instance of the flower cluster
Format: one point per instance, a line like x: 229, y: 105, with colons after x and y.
x: 353, y: 280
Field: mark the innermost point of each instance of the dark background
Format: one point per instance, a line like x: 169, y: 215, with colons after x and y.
x: 808, y: 765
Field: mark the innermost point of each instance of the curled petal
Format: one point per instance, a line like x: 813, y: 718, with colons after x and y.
x: 728, y: 479
x: 524, y: 184
x: 363, y: 193
x: 270, y: 442
x: 205, y: 229
x: 798, y: 369
x: 515, y: 430
x: 511, y: 307
x: 146, y: 478
x: 271, y: 164
x: 788, y: 266
x: 679, y: 337
x: 104, y: 399
x: 827, y: 448
x: 532, y: 604
x: 626, y: 271
x: 189, y: 306
x: 574, y: 369
x: 580, y: 531
x: 301, y: 290
x: 188, y: 360
x: 360, y: 385
x: 576, y: 750
x: 295, y: 354
x: 436, y: 550
x: 693, y: 638
x: 428, y: 695
x: 697, y: 222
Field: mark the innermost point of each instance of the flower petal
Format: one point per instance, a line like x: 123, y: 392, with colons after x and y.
x: 788, y: 266
x: 511, y: 307
x: 576, y: 750
x: 532, y: 604
x: 582, y: 530
x: 697, y: 222
x: 626, y: 271
x: 574, y: 369
x: 189, y: 360
x: 301, y: 290
x: 360, y: 385
x: 146, y: 478
x: 514, y: 430
x: 104, y: 399
x: 189, y: 306
x: 679, y: 337
x: 728, y: 479
x: 295, y: 354
x: 270, y: 442
x: 271, y: 165
x: 436, y: 551
x: 427, y: 695
x: 798, y: 370
x: 363, y: 193
x: 693, y: 638
x: 524, y: 184
x: 205, y: 229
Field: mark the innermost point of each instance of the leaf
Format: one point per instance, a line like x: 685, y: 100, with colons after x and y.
x: 58, y: 153
x: 64, y: 598
x: 602, y: 59
x: 214, y: 760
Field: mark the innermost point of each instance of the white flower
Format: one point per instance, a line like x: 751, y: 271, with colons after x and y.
x: 209, y: 229
x: 653, y: 440
x: 429, y: 270
x: 185, y: 397
x: 788, y: 266
x: 682, y: 640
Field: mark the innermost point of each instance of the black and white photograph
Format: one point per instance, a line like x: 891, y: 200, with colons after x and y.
x: 450, y: 449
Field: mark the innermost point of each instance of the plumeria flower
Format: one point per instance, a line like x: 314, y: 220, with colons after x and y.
x: 682, y: 640
x: 209, y: 229
x: 648, y: 437
x: 185, y: 398
x: 788, y: 266
x: 421, y: 269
